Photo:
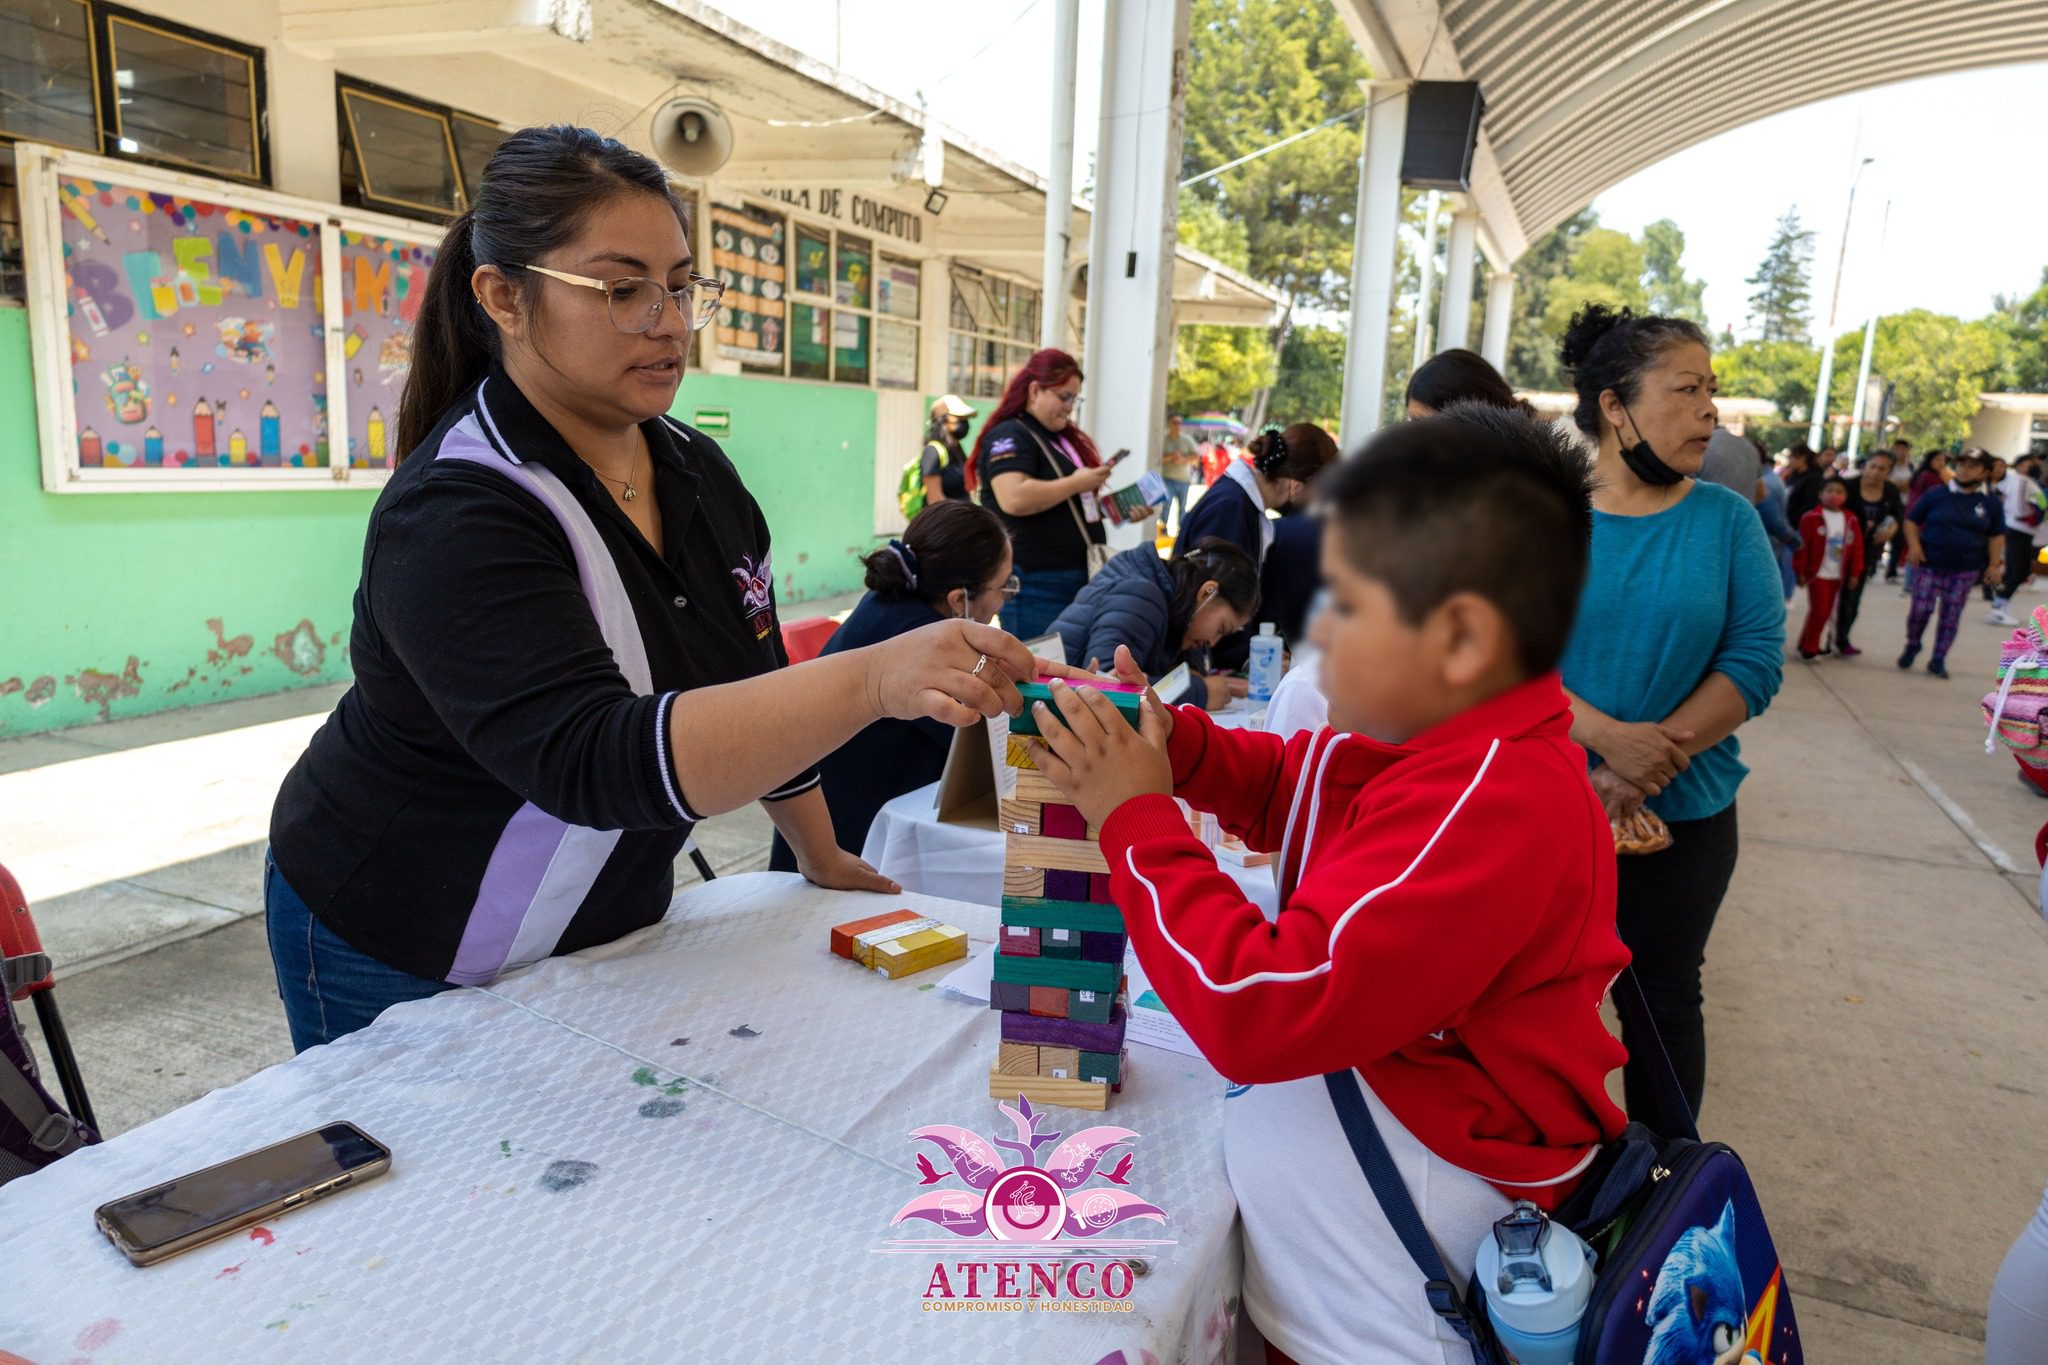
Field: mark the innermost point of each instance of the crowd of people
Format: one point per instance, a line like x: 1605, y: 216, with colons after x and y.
x: 1522, y: 638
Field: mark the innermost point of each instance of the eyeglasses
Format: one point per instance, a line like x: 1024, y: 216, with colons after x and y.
x: 635, y: 302
x: 1009, y: 588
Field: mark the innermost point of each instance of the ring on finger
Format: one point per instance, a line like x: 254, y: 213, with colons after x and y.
x: 979, y: 664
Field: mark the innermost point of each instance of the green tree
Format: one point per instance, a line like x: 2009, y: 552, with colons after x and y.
x: 1784, y: 282
x: 1260, y: 71
x: 1937, y: 366
x: 1218, y: 368
x: 1782, y: 371
x: 2024, y: 324
x: 1532, y: 346
x: 1672, y: 292
x: 1311, y: 383
x: 1606, y: 267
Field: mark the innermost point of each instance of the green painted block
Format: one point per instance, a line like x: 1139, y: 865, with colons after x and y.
x: 1081, y: 916
x: 1025, y: 723
x: 1061, y: 952
x: 1103, y: 1066
x: 1100, y: 977
x: 1093, y: 1011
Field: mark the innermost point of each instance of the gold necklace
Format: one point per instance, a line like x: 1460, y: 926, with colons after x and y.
x: 625, y: 483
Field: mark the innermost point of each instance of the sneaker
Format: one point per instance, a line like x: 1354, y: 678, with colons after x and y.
x: 1847, y: 651
x: 2031, y: 787
x: 1936, y: 667
x: 1809, y: 655
x: 1911, y: 653
x: 1999, y: 616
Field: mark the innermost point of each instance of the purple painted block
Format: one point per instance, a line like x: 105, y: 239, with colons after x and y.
x: 1102, y: 947
x: 1009, y: 995
x: 1026, y: 1028
x: 1061, y: 885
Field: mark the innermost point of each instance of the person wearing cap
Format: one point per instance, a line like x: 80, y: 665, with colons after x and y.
x: 1955, y: 539
x: 944, y: 462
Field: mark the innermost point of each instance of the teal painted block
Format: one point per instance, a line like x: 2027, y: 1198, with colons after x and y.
x: 1026, y: 724
x: 1079, y: 916
x: 1092, y: 1010
x: 1103, y: 1066
x: 1100, y: 977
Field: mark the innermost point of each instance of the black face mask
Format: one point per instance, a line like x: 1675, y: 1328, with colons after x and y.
x: 1643, y: 462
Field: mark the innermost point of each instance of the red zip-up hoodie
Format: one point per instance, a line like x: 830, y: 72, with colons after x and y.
x: 1447, y: 925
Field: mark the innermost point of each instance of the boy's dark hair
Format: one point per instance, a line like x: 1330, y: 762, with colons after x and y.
x: 1478, y: 499
x: 1836, y: 479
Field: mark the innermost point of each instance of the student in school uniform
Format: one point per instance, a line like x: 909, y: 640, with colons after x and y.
x: 565, y: 641
x: 1830, y: 554
x: 1447, y: 874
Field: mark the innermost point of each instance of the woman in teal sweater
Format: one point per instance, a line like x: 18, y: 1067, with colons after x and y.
x: 1680, y: 640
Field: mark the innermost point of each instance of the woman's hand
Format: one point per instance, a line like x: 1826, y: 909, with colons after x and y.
x: 1095, y: 757
x: 1088, y: 478
x: 1621, y: 797
x: 838, y: 870
x: 1915, y: 556
x: 1644, y: 753
x: 1220, y: 691
x: 932, y: 672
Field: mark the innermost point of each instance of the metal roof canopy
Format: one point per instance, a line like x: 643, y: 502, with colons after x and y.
x: 639, y: 50
x: 1582, y: 94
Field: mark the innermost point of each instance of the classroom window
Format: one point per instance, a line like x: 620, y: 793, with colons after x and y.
x: 993, y: 330
x: 409, y: 156
x: 102, y: 79
x: 852, y: 311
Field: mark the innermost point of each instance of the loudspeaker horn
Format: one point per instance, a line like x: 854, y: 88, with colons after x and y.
x: 691, y: 136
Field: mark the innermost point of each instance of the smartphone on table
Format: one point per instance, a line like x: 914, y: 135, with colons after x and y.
x: 164, y: 1220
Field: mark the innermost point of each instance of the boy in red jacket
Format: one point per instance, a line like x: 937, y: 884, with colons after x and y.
x: 1830, y: 554
x: 1447, y: 885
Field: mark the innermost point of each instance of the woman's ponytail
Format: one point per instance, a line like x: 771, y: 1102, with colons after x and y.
x: 452, y: 340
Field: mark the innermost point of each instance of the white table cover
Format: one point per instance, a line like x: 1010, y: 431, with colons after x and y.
x: 739, y: 1195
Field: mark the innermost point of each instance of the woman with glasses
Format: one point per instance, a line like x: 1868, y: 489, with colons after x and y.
x: 1042, y: 475
x: 565, y: 643
x: 953, y: 563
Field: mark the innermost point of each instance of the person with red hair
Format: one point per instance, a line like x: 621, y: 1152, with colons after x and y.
x: 1042, y: 474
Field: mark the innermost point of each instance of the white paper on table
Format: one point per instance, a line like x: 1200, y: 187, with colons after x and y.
x: 1149, y: 1021
x: 973, y: 979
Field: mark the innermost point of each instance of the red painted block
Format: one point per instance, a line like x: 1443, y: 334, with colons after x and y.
x: 1048, y: 1002
x: 1018, y: 941
x: 1062, y: 822
x: 1098, y: 889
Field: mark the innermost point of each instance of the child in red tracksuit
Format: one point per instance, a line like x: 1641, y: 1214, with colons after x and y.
x: 1447, y: 921
x: 1830, y: 554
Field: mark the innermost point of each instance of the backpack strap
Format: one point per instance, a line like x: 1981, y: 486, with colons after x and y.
x: 1674, y: 1117
x: 48, y: 1129
x: 1391, y: 1191
x: 25, y: 970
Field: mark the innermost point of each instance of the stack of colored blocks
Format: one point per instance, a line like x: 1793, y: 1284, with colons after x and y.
x: 1059, y: 979
x: 899, y: 943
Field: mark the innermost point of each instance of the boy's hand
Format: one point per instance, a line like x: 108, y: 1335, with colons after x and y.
x: 1095, y: 757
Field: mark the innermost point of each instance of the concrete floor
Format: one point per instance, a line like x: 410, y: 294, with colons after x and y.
x: 1876, y: 989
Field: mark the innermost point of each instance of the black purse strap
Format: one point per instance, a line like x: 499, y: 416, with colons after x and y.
x: 1674, y: 1117
x: 1443, y: 1294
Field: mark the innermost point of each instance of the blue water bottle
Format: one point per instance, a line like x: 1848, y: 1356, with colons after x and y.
x: 1538, y: 1277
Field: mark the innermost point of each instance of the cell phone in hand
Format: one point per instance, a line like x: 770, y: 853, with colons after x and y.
x: 164, y: 1220
x: 1118, y: 456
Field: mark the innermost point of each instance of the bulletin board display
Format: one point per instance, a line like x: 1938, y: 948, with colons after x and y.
x: 749, y: 250
x: 190, y: 335
x: 383, y: 279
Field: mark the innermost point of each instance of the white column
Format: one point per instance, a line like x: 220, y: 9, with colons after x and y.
x: 1862, y: 386
x: 1425, y: 279
x: 1372, y: 258
x: 1131, y: 242
x: 1059, y: 189
x: 1454, y: 322
x: 1500, y: 312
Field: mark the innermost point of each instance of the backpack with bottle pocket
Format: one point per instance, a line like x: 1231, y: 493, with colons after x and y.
x: 1684, y: 1266
x: 34, y: 1129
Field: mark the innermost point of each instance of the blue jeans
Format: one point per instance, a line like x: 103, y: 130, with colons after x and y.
x: 1176, y: 502
x: 1044, y: 594
x: 328, y: 987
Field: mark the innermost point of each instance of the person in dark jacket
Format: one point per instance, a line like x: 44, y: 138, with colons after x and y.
x: 1278, y: 475
x: 1292, y: 574
x: 1166, y: 613
x: 953, y: 562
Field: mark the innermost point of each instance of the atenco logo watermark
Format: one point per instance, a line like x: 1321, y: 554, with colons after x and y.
x: 1034, y: 1235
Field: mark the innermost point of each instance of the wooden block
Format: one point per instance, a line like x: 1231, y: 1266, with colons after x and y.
x: 1102, y: 947
x: 1030, y: 1028
x: 1090, y: 1007
x: 868, y: 943
x: 1051, y: 914
x: 843, y: 935
x: 1061, y: 885
x: 1060, y: 1063
x: 1045, y: 1090
x: 901, y: 957
x: 1048, y: 1002
x: 1017, y: 755
x: 1098, y: 889
x: 1043, y: 971
x: 1019, y: 941
x: 1017, y: 1059
x: 1009, y: 995
x: 1023, y: 881
x: 1123, y: 696
x: 1066, y: 855
x: 1019, y: 817
x: 1064, y: 952
x: 1107, y: 1067
x: 1033, y: 785
x: 1058, y: 822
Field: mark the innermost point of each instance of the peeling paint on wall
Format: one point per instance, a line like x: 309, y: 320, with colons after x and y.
x: 99, y: 689
x: 301, y: 649
x: 40, y: 691
x: 224, y: 648
x: 10, y: 687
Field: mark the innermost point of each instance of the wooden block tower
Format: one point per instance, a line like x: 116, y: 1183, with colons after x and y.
x: 1059, y: 981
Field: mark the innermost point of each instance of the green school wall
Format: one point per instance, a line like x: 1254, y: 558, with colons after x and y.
x: 122, y: 604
